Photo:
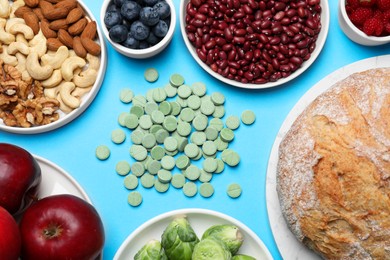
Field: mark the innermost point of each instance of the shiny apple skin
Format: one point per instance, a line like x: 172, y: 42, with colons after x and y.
x: 10, y: 241
x: 20, y: 176
x: 61, y: 227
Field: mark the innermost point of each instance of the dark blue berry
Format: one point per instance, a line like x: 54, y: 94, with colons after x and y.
x: 119, y: 3
x: 144, y: 45
x: 118, y: 33
x: 139, y: 30
x: 162, y: 9
x: 131, y: 42
x: 150, y: 2
x: 161, y: 29
x: 130, y: 10
x: 149, y: 16
x: 112, y: 7
x: 153, y: 39
x: 112, y: 18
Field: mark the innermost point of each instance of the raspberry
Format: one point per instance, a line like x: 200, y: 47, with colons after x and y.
x: 353, y: 3
x: 367, y: 3
x: 383, y: 5
x: 373, y: 27
x: 360, y: 15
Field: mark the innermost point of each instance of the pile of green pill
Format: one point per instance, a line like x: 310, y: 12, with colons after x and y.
x: 172, y: 127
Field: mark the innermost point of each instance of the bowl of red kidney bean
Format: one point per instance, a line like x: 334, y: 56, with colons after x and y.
x: 254, y: 44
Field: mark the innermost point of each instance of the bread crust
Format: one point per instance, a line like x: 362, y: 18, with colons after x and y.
x: 333, y: 173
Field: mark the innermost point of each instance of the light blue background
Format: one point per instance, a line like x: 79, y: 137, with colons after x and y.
x: 72, y: 147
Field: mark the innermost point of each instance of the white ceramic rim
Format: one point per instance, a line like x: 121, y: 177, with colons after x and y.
x: 378, y: 40
x: 86, y: 100
x: 319, y: 45
x: 178, y: 212
x: 288, y: 245
x: 144, y: 53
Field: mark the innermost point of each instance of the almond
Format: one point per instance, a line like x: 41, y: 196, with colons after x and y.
x: 58, y: 24
x: 47, y: 32
x: 22, y: 10
x: 78, y: 47
x: 90, y: 30
x: 32, y: 21
x: 46, y: 7
x: 56, y: 13
x: 68, y: 4
x: 78, y: 27
x: 75, y: 15
x: 91, y: 46
x: 31, y: 3
x: 53, y: 44
x: 65, y: 38
x: 39, y: 13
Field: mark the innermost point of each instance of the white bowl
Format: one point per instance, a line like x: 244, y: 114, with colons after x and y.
x: 86, y: 100
x: 305, y: 65
x: 354, y: 33
x: 200, y: 220
x: 142, y: 53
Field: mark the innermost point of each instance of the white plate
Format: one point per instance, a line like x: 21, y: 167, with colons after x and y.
x: 200, y: 220
x: 86, y: 99
x: 289, y: 246
x: 319, y: 45
x: 57, y: 181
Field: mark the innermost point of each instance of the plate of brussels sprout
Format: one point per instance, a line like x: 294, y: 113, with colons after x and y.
x: 193, y: 234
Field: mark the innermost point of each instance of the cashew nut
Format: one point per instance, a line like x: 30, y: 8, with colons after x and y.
x: 35, y: 69
x: 18, y: 47
x: 5, y: 37
x: 13, y: 21
x: 69, y: 65
x: 22, y: 28
x: 26, y: 76
x: 52, y: 92
x: 86, y: 78
x: 21, y: 62
x: 5, y: 8
x: 79, y: 92
x: 8, y: 59
x: 55, y: 60
x: 94, y: 62
x: 66, y: 96
x: 20, y: 38
x: 54, y: 79
x: 64, y: 108
x: 38, y: 44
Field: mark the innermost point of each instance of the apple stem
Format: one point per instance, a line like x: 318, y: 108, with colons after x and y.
x: 52, y: 231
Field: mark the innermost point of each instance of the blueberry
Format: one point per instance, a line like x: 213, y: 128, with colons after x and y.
x: 130, y: 10
x: 144, y: 45
x: 112, y: 18
x: 161, y: 29
x: 139, y: 30
x: 150, y: 2
x: 131, y: 42
x: 163, y: 9
x: 112, y: 7
x: 119, y: 3
x: 118, y: 33
x: 153, y: 39
x: 149, y: 16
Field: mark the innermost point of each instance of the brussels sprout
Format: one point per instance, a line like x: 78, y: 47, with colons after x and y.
x: 151, y: 251
x: 243, y: 257
x: 211, y: 248
x: 229, y: 234
x: 179, y: 239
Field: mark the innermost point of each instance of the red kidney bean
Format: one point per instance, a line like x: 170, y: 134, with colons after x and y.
x: 279, y: 15
x: 239, y: 32
x: 238, y: 40
x: 227, y: 47
x: 232, y: 55
x: 285, y: 21
x: 196, y: 2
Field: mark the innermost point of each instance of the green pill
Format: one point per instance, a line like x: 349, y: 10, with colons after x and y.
x: 184, y: 128
x: 199, y: 89
x: 136, y: 136
x: 139, y: 100
x: 209, y: 148
x: 118, y: 136
x: 176, y: 80
x: 182, y: 102
x: 153, y: 167
x: 218, y: 98
x: 198, y: 138
x: 165, y: 107
x: 248, y: 117
x: 184, y: 91
x: 200, y: 122
x: 182, y: 162
x: 175, y: 108
x: 147, y: 180
x: 205, y: 176
x: 232, y: 122
x: 130, y: 182
x: 194, y: 102
x: 230, y: 157
x: 159, y: 95
x: 157, y: 152
x: 187, y: 115
x: 191, y: 150
x: 181, y: 143
x: 145, y: 122
x: 160, y: 187
x: 220, y: 166
x: 190, y: 189
x: 137, y: 110
x: 234, y: 190
x: 131, y: 121
x: 102, y: 152
x: 170, y: 90
x: 227, y: 135
x: 138, y: 169
x: 151, y: 75
x: 168, y: 162
x: 126, y: 95
x: 164, y: 176
x: 219, y: 112
x: 170, y: 123
x: 192, y: 173
x: 207, y: 107
x: 154, y: 129
x: 138, y: 152
x: 210, y: 165
x: 178, y: 180
x: 134, y: 198
x: 211, y: 133
x: 161, y: 135
x: 170, y: 144
x: 150, y: 107
x: 206, y: 190
x: 121, y: 118
x: 122, y: 168
x: 220, y: 144
x: 148, y: 141
x: 216, y: 123
x: 157, y: 117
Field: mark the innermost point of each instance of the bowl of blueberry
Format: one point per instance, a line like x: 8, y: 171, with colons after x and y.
x: 138, y: 28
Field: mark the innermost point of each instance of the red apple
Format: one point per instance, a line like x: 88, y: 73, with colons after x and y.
x: 10, y: 242
x: 20, y: 176
x: 61, y: 227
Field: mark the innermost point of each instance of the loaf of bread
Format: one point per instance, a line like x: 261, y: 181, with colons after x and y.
x: 333, y: 173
